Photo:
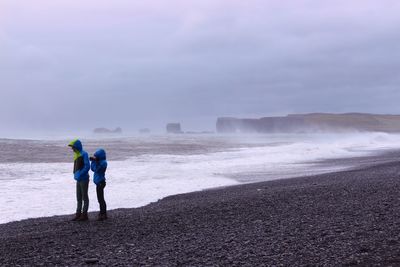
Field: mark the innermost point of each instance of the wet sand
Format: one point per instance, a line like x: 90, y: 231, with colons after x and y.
x: 343, y: 218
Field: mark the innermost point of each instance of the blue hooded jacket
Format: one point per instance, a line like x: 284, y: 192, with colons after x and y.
x: 81, y: 161
x: 99, y: 166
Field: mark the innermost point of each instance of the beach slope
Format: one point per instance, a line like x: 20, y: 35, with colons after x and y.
x: 343, y: 218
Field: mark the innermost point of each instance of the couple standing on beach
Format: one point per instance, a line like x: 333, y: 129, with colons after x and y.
x: 82, y: 166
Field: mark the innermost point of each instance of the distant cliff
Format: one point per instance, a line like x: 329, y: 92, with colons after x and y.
x: 314, y: 122
x: 117, y: 130
x: 174, y: 128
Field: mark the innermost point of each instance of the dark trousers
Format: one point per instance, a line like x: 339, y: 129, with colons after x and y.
x: 82, y: 196
x: 100, y: 197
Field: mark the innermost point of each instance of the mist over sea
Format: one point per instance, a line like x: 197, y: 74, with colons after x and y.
x: 36, y: 175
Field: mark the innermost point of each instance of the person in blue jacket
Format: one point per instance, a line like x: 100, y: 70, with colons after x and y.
x: 81, y: 175
x: 99, y: 167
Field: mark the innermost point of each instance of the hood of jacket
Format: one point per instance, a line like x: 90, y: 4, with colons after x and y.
x: 100, y: 154
x: 77, y: 144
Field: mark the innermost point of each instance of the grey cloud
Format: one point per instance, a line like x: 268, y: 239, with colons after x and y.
x: 141, y: 63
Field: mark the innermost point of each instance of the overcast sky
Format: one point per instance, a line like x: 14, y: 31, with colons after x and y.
x: 132, y: 63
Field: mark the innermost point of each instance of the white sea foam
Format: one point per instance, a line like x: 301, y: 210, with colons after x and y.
x: 45, y: 189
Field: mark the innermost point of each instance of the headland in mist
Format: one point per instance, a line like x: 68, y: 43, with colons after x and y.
x: 313, y: 122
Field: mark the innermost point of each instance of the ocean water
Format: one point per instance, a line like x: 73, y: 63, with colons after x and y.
x: 36, y: 175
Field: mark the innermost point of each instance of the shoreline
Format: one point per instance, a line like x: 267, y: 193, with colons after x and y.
x: 341, y: 218
x: 324, y: 166
x: 40, y: 186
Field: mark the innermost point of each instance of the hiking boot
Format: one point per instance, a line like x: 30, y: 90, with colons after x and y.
x: 83, y: 217
x: 77, y: 216
x: 102, y: 217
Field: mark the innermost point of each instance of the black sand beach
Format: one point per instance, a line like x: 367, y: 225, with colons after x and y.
x: 344, y: 218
